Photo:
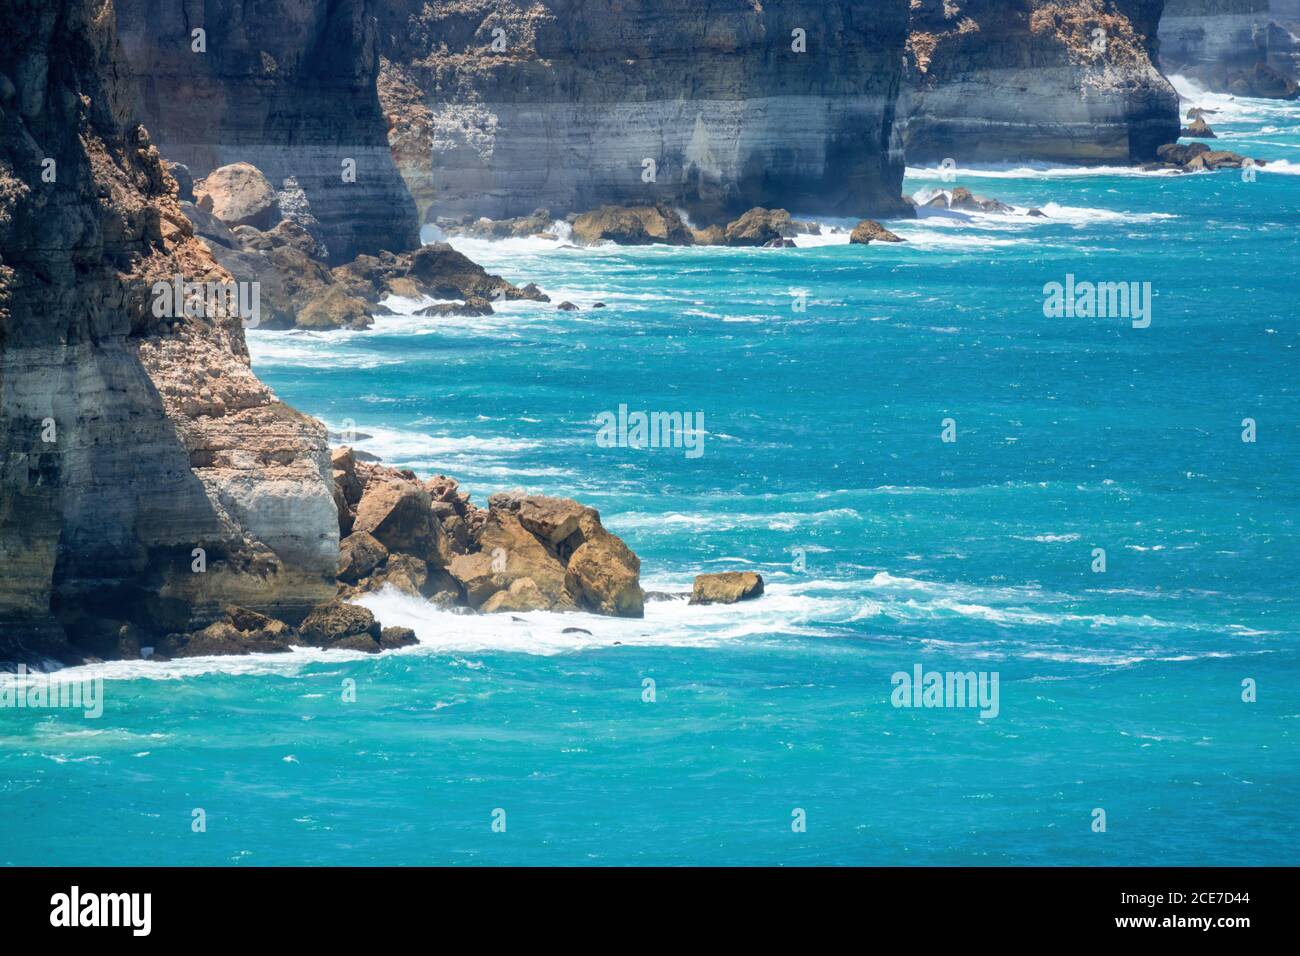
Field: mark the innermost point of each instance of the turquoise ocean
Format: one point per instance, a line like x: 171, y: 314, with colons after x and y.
x: 883, y: 547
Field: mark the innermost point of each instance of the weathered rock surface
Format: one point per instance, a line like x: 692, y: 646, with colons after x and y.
x: 999, y: 80
x: 288, y: 87
x: 632, y: 226
x: 1197, y: 157
x: 727, y: 587
x: 239, y: 195
x: 521, y: 553
x: 146, y: 476
x: 868, y: 231
x: 575, y: 100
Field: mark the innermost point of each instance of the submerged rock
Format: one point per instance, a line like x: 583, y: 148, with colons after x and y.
x: 727, y: 587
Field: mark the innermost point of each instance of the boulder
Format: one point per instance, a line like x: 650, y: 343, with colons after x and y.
x: 632, y: 226
x: 603, y: 574
x: 400, y: 516
x: 520, y: 554
x: 522, y: 595
x: 550, y: 519
x: 333, y: 308
x: 727, y: 587
x: 759, y: 226
x: 393, y: 637
x: 404, y: 573
x: 443, y: 273
x: 869, y: 230
x: 338, y: 625
x: 1199, y: 129
x: 477, y: 577
x: 240, y: 196
x: 710, y: 236
x: 359, y: 554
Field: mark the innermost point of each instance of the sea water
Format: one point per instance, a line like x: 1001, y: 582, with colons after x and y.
x: 1162, y: 691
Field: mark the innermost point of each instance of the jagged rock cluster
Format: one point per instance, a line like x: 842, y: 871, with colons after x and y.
x: 522, y: 553
x: 241, y: 220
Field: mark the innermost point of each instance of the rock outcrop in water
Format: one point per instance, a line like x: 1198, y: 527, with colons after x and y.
x: 1071, y: 81
x: 522, y: 553
x: 497, y: 106
x: 1244, y: 47
x: 147, y: 478
x: 288, y: 86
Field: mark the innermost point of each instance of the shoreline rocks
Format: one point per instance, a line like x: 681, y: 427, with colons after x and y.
x: 868, y: 231
x: 239, y: 217
x: 727, y: 587
x: 1197, y: 157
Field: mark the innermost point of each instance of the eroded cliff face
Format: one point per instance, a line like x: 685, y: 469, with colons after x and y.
x: 287, y: 86
x: 497, y: 107
x: 127, y: 441
x: 1220, y: 43
x: 1069, y: 81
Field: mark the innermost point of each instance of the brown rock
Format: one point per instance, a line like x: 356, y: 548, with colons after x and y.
x: 726, y: 588
x: 1199, y: 129
x: 326, y: 625
x: 868, y: 230
x: 476, y: 577
x: 522, y: 595
x: 551, y: 519
x: 240, y: 196
x: 359, y: 554
x: 404, y: 573
x: 521, y: 555
x: 632, y: 226
x: 400, y: 516
x: 333, y: 308
x: 760, y: 226
x: 392, y: 637
x: 604, y: 574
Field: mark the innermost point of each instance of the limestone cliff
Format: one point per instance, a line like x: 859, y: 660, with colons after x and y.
x: 1052, y: 80
x: 1246, y: 47
x: 497, y: 107
x: 287, y: 86
x: 127, y: 439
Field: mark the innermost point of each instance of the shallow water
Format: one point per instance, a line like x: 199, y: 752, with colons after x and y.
x: 883, y: 547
